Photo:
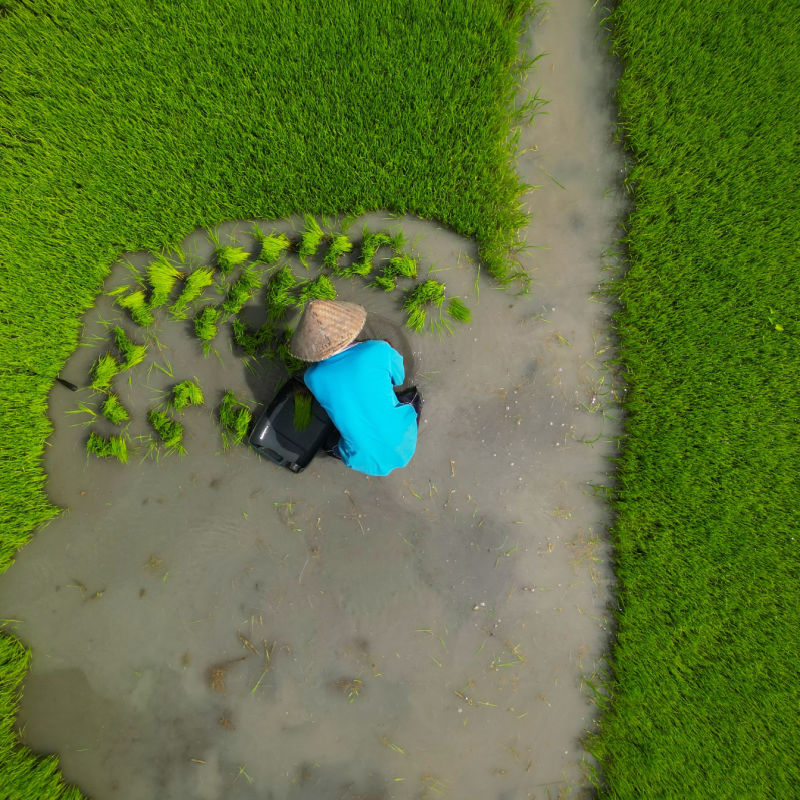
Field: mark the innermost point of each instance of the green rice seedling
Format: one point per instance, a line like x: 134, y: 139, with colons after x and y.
x: 279, y: 297
x: 417, y: 300
x: 228, y: 258
x: 272, y: 246
x: 310, y: 240
x: 339, y: 245
x: 235, y: 418
x: 458, y: 310
x: 402, y: 266
x: 112, y: 447
x: 241, y: 290
x: 370, y: 244
x: 194, y: 285
x: 302, y: 408
x: 186, y: 393
x: 284, y: 355
x: 254, y: 343
x: 137, y: 306
x: 162, y: 277
x: 321, y: 288
x: 114, y: 411
x: 206, y: 326
x: 132, y: 353
x: 103, y: 371
x: 169, y: 431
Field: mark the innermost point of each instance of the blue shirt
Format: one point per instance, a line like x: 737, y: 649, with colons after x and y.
x: 355, y: 387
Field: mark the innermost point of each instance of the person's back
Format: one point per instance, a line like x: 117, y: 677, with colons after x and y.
x: 355, y: 387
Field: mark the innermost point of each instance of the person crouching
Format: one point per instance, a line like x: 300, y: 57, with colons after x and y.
x: 354, y: 383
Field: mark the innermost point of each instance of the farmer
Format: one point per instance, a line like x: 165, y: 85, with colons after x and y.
x: 354, y: 383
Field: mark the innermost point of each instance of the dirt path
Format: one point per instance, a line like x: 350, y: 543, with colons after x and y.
x: 213, y: 626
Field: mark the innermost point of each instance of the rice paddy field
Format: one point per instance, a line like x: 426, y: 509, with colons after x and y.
x: 127, y: 126
x: 704, y: 696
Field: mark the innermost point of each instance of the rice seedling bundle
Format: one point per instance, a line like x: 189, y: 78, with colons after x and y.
x: 114, y: 411
x: 417, y: 300
x: 241, y: 290
x: 103, y: 371
x: 162, y: 277
x: 339, y: 245
x: 228, y: 258
x: 169, y: 431
x: 254, y: 343
x: 321, y: 288
x: 402, y: 266
x: 370, y: 244
x: 112, y: 447
x: 272, y: 247
x: 310, y: 239
x: 132, y: 353
x: 284, y: 355
x: 205, y: 325
x: 235, y: 418
x: 458, y: 310
x: 136, y: 304
x: 186, y: 393
x: 194, y: 285
x: 279, y: 293
x: 302, y: 408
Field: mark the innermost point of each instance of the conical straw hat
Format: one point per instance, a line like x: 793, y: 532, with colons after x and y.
x: 326, y: 327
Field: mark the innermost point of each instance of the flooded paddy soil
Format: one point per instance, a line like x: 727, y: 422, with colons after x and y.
x: 214, y: 626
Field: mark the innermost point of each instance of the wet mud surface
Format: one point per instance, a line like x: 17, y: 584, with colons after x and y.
x: 213, y: 626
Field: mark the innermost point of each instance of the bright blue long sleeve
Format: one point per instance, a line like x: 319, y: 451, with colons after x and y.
x: 355, y: 387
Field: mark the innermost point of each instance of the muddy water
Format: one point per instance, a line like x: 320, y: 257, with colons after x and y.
x: 213, y: 626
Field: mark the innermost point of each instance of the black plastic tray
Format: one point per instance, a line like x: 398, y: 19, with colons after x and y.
x: 275, y: 437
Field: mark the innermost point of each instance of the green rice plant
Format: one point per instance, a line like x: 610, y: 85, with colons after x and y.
x: 302, y: 408
x: 194, y: 285
x: 241, y: 290
x: 228, y: 258
x: 132, y: 353
x: 103, y: 371
x: 310, y: 239
x: 458, y: 310
x: 370, y: 244
x: 416, y: 301
x: 111, y: 447
x: 254, y: 343
x: 169, y: 431
x: 206, y: 326
x: 402, y: 266
x: 114, y: 411
x: 235, y: 418
x: 279, y: 297
x: 137, y: 306
x: 162, y: 277
x: 321, y: 288
x: 186, y: 393
x: 340, y: 244
x: 272, y: 245
x: 285, y: 356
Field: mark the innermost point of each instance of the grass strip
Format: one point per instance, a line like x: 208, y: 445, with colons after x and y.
x: 703, y: 684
